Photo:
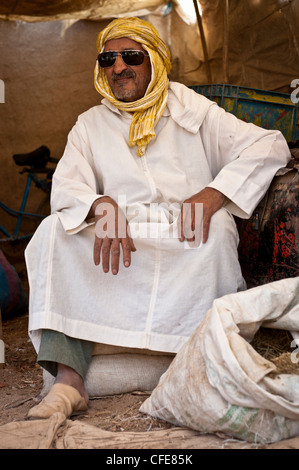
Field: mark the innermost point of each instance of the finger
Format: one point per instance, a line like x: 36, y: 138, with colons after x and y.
x: 106, y: 254
x: 188, y: 221
x: 97, y: 250
x: 196, y: 224
x: 181, y: 225
x: 190, y: 224
x: 128, y: 236
x: 205, y: 228
x: 115, y: 254
x: 127, y: 248
x: 132, y: 245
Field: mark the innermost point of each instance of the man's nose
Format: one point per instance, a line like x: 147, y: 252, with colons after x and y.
x: 119, y: 64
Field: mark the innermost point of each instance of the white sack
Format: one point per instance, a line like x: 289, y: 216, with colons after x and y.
x: 219, y: 383
x: 113, y: 374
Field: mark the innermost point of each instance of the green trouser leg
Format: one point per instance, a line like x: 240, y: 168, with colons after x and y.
x: 57, y: 348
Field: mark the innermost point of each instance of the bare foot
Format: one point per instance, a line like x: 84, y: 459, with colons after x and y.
x: 68, y: 376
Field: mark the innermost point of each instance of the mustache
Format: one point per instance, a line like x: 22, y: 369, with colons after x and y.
x: 123, y: 74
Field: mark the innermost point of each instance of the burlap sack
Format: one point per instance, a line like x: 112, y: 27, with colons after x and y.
x: 218, y: 383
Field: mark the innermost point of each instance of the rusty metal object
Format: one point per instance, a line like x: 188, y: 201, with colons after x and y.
x: 269, y: 240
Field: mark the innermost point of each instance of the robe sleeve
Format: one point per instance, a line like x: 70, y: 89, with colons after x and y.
x: 243, y: 158
x: 74, y: 186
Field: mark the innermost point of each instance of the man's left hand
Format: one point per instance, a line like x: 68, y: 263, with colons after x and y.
x: 192, y: 221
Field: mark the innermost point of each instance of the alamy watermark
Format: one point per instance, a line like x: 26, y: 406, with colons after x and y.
x: 295, y: 93
x: 294, y: 357
x: 153, y: 220
x: 2, y: 92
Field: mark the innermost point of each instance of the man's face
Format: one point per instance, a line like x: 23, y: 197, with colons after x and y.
x: 128, y: 83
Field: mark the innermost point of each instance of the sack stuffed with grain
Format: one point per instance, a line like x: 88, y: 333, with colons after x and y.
x: 219, y: 383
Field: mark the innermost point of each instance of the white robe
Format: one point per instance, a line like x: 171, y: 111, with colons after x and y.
x: 159, y: 300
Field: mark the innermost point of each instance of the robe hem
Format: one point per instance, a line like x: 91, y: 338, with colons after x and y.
x: 106, y: 335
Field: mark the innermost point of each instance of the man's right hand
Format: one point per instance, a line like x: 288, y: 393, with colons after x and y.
x: 111, y: 235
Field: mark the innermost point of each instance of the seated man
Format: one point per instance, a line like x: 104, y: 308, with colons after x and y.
x: 127, y: 195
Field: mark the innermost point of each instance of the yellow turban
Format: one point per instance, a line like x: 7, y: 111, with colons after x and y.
x: 148, y: 109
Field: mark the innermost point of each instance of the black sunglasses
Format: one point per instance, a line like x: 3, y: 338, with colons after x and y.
x: 130, y: 57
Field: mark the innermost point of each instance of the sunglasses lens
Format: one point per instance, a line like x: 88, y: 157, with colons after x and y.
x: 107, y: 59
x: 132, y: 57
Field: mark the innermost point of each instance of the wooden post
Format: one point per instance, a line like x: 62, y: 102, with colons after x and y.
x: 203, y: 41
x: 225, y: 42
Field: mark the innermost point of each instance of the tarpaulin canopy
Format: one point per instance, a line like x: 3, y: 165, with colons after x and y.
x: 37, y: 10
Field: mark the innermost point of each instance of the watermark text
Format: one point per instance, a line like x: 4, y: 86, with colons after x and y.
x: 295, y: 353
x: 2, y: 91
x: 295, y: 93
x: 153, y: 220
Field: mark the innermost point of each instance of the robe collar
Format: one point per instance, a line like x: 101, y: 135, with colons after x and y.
x: 186, y: 107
